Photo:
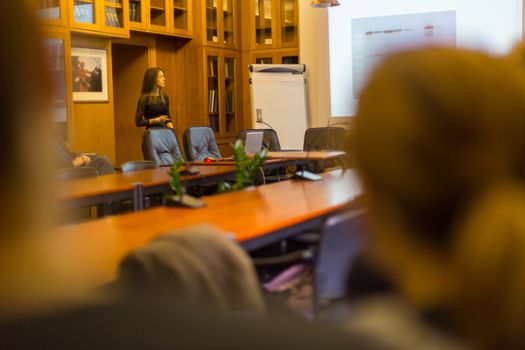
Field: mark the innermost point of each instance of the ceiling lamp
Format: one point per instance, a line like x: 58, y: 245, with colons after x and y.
x: 324, y: 3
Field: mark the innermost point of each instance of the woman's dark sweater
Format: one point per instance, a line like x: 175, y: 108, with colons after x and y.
x: 147, y: 110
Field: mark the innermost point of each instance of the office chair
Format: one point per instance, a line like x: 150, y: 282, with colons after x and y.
x: 71, y: 173
x: 270, y: 138
x: 325, y: 139
x: 340, y: 243
x: 160, y: 146
x: 136, y: 165
x: 197, y: 263
x: 199, y: 143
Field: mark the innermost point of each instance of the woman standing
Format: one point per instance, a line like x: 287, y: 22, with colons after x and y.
x: 153, y: 106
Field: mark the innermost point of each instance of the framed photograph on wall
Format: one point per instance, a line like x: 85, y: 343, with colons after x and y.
x: 90, y: 74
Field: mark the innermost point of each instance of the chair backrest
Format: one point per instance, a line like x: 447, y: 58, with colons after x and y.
x: 160, y: 146
x: 197, y: 263
x: 71, y: 173
x: 199, y: 143
x: 325, y: 138
x: 270, y: 138
x: 341, y: 241
x: 136, y: 165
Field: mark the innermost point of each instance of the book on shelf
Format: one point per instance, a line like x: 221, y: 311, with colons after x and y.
x: 116, y: 18
x: 214, y: 123
x: 212, y: 68
x: 83, y: 13
x: 108, y: 19
x: 213, y: 103
x: 229, y: 102
x: 133, y: 11
x: 112, y: 19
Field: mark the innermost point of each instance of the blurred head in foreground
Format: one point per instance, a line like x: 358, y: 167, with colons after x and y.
x: 440, y: 143
x: 24, y: 96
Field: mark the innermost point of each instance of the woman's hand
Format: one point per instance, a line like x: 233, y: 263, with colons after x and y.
x: 164, y: 120
x: 161, y: 120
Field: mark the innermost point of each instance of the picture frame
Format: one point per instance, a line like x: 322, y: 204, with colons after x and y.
x: 90, y: 74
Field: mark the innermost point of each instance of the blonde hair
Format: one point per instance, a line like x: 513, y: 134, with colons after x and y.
x: 437, y: 132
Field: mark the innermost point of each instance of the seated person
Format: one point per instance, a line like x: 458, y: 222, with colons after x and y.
x: 66, y: 158
x: 442, y: 162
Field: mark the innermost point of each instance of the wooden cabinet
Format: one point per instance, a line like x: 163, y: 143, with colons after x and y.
x: 109, y: 17
x: 215, y: 56
x: 277, y: 56
x: 220, y: 18
x: 275, y: 24
x: 53, y: 12
x: 272, y: 37
x: 117, y: 17
x: 168, y: 17
x: 221, y: 90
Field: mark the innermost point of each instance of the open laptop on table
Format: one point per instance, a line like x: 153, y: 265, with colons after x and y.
x: 254, y: 141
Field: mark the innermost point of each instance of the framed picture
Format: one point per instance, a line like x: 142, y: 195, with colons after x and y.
x: 90, y: 74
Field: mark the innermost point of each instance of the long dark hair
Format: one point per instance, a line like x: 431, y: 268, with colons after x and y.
x: 149, y: 83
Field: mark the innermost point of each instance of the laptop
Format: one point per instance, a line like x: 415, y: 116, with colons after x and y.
x: 253, y: 143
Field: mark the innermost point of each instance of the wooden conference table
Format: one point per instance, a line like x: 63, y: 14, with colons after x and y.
x: 119, y: 186
x: 303, y: 155
x: 253, y: 217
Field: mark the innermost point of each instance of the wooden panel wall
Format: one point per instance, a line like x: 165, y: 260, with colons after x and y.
x: 171, y: 58
x: 93, y: 123
x: 129, y: 63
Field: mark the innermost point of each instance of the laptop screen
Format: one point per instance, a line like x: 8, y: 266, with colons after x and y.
x: 253, y: 142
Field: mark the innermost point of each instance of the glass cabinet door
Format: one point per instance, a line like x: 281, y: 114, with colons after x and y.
x: 180, y: 15
x: 264, y: 59
x: 293, y: 59
x: 114, y: 14
x: 213, y: 92
x: 212, y: 29
x: 158, y: 19
x: 137, y: 19
x: 51, y: 10
x: 229, y: 96
x: 55, y: 52
x: 84, y: 13
x: 263, y: 23
x: 228, y: 14
x: 289, y: 22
